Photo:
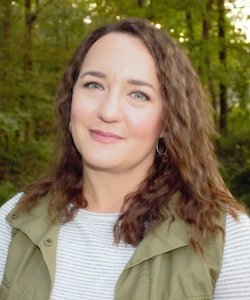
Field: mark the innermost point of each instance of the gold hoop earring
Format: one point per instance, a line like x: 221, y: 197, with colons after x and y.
x: 161, y: 147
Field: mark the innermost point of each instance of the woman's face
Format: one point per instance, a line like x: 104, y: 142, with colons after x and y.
x: 116, y: 106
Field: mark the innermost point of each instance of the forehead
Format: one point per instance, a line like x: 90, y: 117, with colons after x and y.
x: 119, y: 41
x: 120, y: 51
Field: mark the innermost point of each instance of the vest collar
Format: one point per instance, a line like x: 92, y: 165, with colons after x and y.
x: 35, y: 223
x: 168, y: 236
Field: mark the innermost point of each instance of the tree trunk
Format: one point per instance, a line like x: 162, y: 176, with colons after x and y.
x: 206, y: 26
x: 150, y: 11
x: 223, y: 62
x: 139, y: 3
x: 6, y: 25
x: 29, y: 22
x: 6, y: 21
x: 190, y: 28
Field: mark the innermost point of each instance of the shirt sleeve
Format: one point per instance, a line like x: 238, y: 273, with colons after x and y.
x: 234, y: 279
x: 5, y: 231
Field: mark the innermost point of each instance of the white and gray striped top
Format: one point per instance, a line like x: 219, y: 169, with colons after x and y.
x: 89, y: 264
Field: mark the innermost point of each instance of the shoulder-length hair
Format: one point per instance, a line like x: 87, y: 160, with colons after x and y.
x: 187, y: 165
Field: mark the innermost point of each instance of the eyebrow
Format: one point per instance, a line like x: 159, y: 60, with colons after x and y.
x: 94, y: 73
x: 136, y: 82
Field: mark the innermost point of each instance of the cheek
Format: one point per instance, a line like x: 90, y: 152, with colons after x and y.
x: 81, y: 108
x: 74, y: 111
x: 145, y: 125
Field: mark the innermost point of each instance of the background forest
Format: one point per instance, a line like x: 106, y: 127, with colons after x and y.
x: 37, y: 38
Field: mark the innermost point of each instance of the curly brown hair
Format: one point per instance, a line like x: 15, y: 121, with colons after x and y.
x: 188, y: 164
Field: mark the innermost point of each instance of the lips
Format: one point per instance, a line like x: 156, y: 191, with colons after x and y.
x: 105, y: 137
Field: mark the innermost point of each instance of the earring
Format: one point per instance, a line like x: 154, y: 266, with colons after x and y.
x: 70, y: 129
x: 161, y: 147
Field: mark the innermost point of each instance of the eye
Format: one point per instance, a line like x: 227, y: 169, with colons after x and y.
x: 140, y: 96
x: 92, y: 85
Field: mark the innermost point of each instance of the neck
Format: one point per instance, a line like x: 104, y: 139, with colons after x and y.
x: 105, y: 191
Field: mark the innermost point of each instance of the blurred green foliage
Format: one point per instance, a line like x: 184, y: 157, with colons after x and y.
x: 37, y: 38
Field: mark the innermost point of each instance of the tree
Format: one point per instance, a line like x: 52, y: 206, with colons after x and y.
x: 223, y: 60
x: 37, y: 37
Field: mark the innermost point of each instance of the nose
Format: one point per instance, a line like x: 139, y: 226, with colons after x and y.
x: 110, y: 108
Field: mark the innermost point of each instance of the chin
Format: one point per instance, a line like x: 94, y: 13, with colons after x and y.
x: 101, y: 164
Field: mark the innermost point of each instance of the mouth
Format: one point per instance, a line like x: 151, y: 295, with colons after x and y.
x: 105, y: 137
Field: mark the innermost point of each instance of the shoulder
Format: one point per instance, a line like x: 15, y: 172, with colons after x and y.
x: 242, y: 222
x: 5, y: 227
x: 237, y: 242
x: 233, y: 281
x: 8, y: 206
x: 237, y: 235
x: 6, y: 230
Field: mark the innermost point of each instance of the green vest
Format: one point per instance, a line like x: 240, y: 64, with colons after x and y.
x: 163, y: 267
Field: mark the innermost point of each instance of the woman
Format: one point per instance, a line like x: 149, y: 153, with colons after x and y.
x: 135, y: 207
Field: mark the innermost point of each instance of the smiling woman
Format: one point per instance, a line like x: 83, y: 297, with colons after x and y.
x: 115, y: 96
x: 135, y: 207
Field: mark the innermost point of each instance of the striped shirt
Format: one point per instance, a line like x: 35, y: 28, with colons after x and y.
x: 88, y: 263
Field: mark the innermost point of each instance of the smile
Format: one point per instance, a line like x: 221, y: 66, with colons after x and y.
x: 105, y: 137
